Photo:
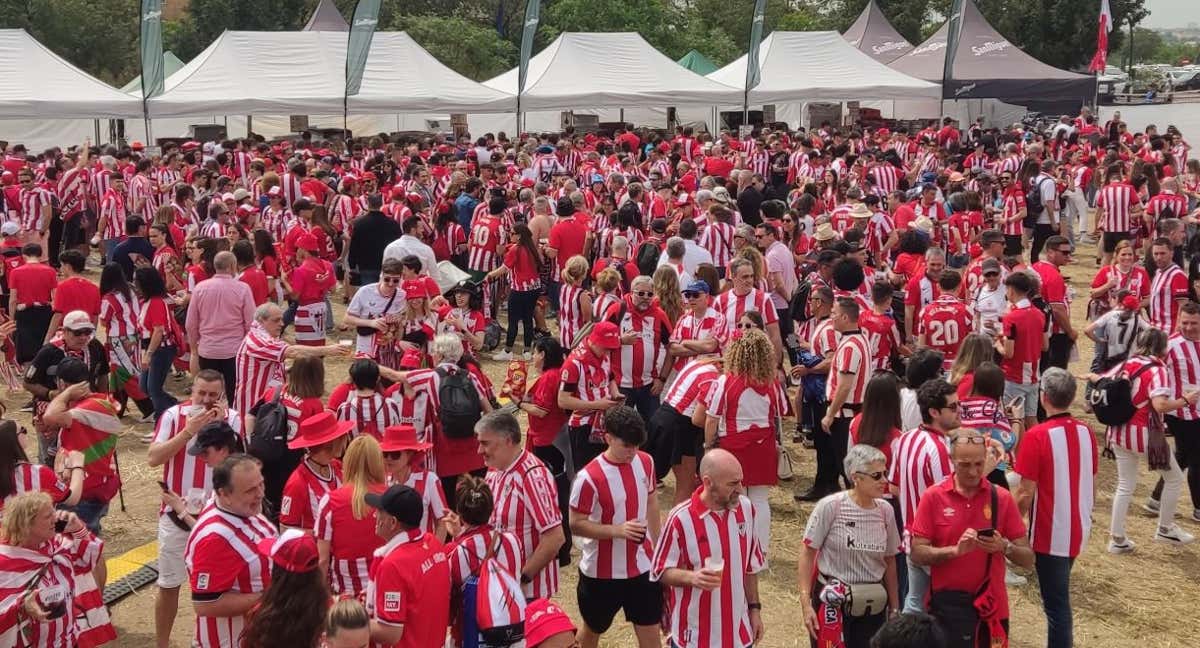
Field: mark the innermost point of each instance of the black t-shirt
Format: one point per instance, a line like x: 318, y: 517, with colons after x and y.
x: 122, y: 254
x: 45, y: 365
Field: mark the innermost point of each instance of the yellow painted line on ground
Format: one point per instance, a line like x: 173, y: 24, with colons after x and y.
x: 131, y: 561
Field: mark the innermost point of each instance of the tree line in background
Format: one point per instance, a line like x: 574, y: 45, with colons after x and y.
x: 481, y: 38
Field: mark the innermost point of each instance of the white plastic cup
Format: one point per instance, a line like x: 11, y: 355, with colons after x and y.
x: 346, y: 343
x: 714, y: 565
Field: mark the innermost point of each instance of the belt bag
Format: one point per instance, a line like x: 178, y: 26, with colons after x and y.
x: 866, y: 599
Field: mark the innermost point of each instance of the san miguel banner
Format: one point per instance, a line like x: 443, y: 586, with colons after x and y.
x: 533, y: 16
x: 753, y: 69
x: 953, y: 36
x: 362, y: 30
x: 153, y: 77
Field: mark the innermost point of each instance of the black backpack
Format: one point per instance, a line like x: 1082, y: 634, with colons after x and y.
x: 269, y: 441
x: 1033, y: 202
x: 459, y: 406
x: 647, y: 258
x: 1111, y: 397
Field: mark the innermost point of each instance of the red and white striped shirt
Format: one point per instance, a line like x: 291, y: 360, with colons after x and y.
x: 587, y: 377
x: 1060, y: 455
x: 467, y: 552
x: 371, y: 414
x: 113, y: 208
x: 29, y: 477
x: 1116, y: 202
x: 1145, y: 387
x: 222, y: 556
x: 744, y: 407
x: 709, y: 326
x: 636, y: 365
x: 733, y: 306
x: 570, y: 317
x: 692, y: 534
x: 717, y: 238
x: 259, y: 365
x: 352, y: 541
x: 1167, y: 290
x: 119, y: 314
x: 433, y: 497
x: 922, y: 459
x: 99, y: 184
x: 1014, y: 202
x: 33, y: 201
x: 527, y: 506
x: 852, y: 362
x: 1183, y: 372
x: 690, y: 385
x: 1158, y: 204
x: 72, y: 192
x: 345, y: 210
x: 63, y: 557
x: 277, y: 221
x: 612, y: 494
x: 303, y: 492
x: 165, y: 179
x: 141, y: 188
x: 292, y: 189
x: 944, y: 324
x: 187, y: 476
x: 483, y: 247
x: 886, y: 178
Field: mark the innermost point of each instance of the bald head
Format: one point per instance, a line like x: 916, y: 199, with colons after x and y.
x: 719, y: 462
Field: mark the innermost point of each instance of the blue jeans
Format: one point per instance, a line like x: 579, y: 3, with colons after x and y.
x: 153, y: 379
x: 918, y: 587
x: 90, y: 512
x: 1054, y: 579
x: 642, y: 400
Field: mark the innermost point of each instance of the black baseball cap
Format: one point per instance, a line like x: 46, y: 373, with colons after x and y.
x: 217, y: 434
x: 400, y: 502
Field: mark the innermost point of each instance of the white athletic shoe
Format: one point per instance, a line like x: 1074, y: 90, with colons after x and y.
x: 1122, y: 548
x: 1151, y: 506
x: 527, y: 356
x: 1195, y: 515
x: 1013, y: 578
x: 1174, y: 535
x: 502, y: 356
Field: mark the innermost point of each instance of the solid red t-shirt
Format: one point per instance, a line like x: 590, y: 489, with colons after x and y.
x: 77, y: 293
x: 544, y: 394
x: 257, y: 280
x: 567, y: 237
x: 33, y: 283
x: 1024, y: 325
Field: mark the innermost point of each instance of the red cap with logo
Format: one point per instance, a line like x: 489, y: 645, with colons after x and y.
x: 294, y: 550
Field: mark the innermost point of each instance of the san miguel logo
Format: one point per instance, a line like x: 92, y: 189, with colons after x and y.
x: 889, y: 46
x: 964, y: 90
x: 990, y: 47
x: 932, y: 47
x: 152, y: 15
x: 365, y: 22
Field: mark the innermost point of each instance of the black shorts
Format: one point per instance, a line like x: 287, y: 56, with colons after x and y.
x: 73, y: 234
x: 599, y: 599
x: 1112, y: 238
x: 1013, y: 245
x: 686, y: 440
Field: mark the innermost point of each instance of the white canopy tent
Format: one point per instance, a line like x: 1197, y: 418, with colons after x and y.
x: 820, y: 66
x: 38, y: 84
x: 240, y: 74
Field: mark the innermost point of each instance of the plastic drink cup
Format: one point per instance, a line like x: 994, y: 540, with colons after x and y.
x: 714, y: 565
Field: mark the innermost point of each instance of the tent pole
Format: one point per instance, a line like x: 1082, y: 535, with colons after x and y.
x: 96, y: 125
x: 518, y: 116
x: 745, y: 106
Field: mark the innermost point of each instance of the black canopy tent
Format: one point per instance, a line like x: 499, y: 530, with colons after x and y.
x: 987, y: 66
x: 875, y: 36
x: 326, y: 17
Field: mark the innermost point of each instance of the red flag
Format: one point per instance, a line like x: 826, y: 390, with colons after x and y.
x: 1100, y: 60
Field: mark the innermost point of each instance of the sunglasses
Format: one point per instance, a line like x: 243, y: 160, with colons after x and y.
x: 877, y: 475
x: 82, y: 332
x: 393, y: 455
x: 691, y: 295
x: 390, y: 280
x: 991, y: 274
x: 746, y: 326
x: 643, y: 293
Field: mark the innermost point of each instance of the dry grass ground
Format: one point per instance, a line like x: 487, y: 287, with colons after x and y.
x: 1119, y: 601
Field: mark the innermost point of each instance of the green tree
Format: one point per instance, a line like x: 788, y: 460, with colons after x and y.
x: 472, y: 50
x: 659, y: 22
x: 1147, y: 44
x: 909, y: 17
x: 100, y: 48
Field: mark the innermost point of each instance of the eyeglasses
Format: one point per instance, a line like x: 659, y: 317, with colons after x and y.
x: 643, y: 293
x: 951, y: 406
x: 390, y: 280
x: 746, y: 326
x: 968, y: 439
x: 82, y: 332
x: 877, y: 475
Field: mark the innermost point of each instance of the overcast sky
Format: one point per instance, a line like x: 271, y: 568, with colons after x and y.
x: 1172, y: 13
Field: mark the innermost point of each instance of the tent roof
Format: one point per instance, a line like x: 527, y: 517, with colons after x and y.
x: 698, y: 63
x: 239, y: 74
x: 873, y: 34
x: 38, y: 84
x: 820, y: 66
x: 609, y: 70
x: 326, y: 17
x: 171, y: 65
x: 988, y: 66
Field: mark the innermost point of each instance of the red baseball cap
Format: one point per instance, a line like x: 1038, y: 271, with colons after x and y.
x: 1131, y: 302
x: 136, y: 145
x: 294, y: 550
x: 544, y: 619
x: 318, y: 429
x: 307, y: 242
x: 411, y: 359
x: 402, y: 437
x: 605, y: 335
x: 414, y: 288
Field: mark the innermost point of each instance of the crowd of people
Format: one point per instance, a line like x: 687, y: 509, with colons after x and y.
x: 680, y: 296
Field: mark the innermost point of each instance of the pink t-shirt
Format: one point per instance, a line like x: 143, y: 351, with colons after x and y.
x: 780, y: 259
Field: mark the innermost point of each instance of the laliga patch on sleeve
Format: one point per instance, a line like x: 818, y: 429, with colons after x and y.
x: 202, y: 581
x: 285, y: 505
x: 391, y: 601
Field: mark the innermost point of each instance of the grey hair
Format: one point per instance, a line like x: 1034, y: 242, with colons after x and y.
x: 860, y: 457
x: 641, y: 280
x: 675, y: 248
x: 1169, y: 226
x: 225, y: 262
x: 541, y: 204
x: 577, y: 198
x: 620, y: 243
x: 448, y: 347
x: 738, y: 264
x: 935, y: 253
x: 1058, y: 387
x: 499, y: 422
x: 264, y: 311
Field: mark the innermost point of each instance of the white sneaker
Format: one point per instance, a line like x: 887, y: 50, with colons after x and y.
x: 1122, y: 548
x: 1151, y: 506
x: 527, y: 356
x: 1174, y: 535
x: 502, y: 356
x: 1013, y: 578
x: 1195, y: 515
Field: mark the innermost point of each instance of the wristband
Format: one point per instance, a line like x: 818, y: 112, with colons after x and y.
x: 754, y: 606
